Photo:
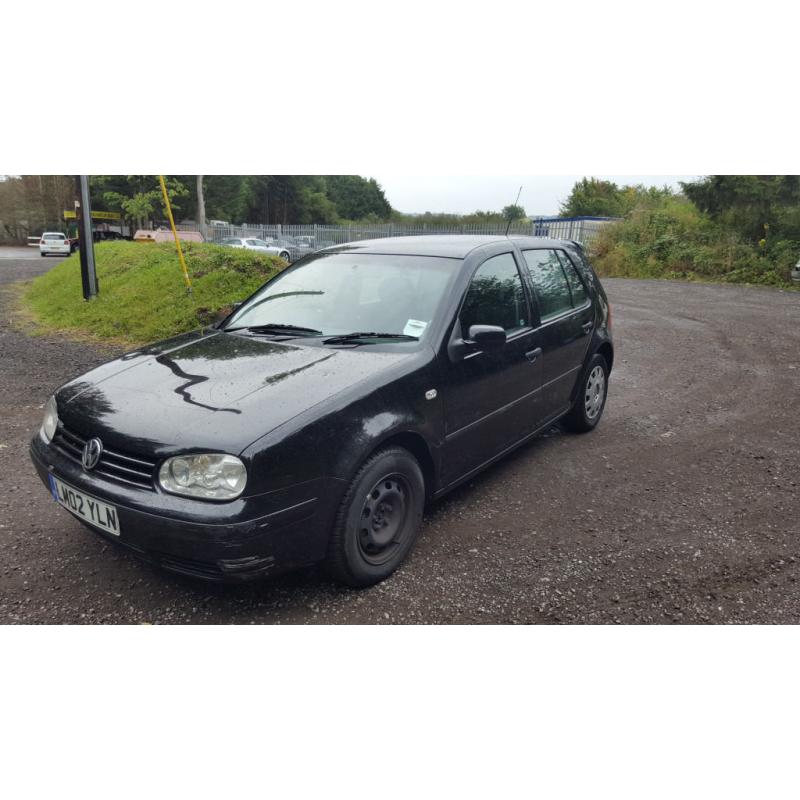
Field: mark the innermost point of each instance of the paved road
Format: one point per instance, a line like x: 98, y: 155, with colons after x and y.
x: 681, y: 507
x: 24, y: 253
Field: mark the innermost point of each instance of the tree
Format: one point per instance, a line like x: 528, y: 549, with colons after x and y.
x: 591, y: 197
x: 260, y: 199
x: 513, y: 212
x: 201, y: 208
x: 31, y: 204
x: 356, y: 197
x: 137, y: 197
x: 750, y: 205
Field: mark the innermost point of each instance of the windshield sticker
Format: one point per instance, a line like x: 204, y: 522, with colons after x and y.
x: 414, y: 327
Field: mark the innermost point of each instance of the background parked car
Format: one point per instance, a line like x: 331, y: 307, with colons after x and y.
x: 296, y: 248
x: 312, y: 243
x: 249, y: 243
x: 54, y: 243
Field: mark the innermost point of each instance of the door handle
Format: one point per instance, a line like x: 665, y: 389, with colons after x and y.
x: 587, y: 327
x: 532, y: 355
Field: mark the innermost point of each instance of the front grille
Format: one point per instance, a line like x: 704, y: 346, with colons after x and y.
x: 116, y: 466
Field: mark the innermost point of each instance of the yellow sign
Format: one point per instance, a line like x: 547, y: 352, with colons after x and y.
x: 95, y: 215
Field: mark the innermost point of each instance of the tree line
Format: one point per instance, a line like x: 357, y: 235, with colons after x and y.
x: 32, y: 204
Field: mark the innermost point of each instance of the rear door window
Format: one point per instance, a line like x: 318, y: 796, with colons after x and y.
x: 550, y: 283
x: 496, y: 296
x: 576, y: 286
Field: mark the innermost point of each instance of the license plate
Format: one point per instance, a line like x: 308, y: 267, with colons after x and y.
x: 93, y: 511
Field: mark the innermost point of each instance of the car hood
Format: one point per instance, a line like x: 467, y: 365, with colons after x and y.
x: 210, y: 390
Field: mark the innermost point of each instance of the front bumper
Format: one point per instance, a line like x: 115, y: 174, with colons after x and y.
x: 247, y: 538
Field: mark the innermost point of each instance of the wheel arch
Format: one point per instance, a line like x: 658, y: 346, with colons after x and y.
x: 606, y: 350
x: 417, y: 445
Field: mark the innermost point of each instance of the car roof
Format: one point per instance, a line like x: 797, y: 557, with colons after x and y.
x: 446, y: 245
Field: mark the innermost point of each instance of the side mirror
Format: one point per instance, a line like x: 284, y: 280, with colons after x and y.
x: 487, y: 337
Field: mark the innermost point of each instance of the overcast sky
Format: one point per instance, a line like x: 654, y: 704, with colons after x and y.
x: 541, y: 195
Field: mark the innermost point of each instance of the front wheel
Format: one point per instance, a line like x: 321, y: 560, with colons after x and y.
x: 378, y: 520
x: 285, y: 256
x: 591, y: 398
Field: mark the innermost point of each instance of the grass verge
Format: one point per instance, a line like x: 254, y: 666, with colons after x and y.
x: 142, y: 295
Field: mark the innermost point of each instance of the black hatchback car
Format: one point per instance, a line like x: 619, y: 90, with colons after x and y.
x: 315, y: 422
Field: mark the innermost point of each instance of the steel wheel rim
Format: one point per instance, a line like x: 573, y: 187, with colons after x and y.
x: 595, y: 392
x: 382, y: 521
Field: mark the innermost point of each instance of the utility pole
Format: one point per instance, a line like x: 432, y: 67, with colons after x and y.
x: 85, y: 239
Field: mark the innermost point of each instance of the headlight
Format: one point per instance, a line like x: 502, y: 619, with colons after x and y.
x: 50, y: 422
x: 212, y: 476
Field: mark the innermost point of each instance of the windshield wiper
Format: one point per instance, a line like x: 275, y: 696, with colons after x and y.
x: 279, y: 328
x: 357, y: 335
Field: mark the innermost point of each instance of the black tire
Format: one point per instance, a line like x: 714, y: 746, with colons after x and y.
x: 42, y: 254
x: 286, y: 257
x: 365, y: 548
x: 590, y: 403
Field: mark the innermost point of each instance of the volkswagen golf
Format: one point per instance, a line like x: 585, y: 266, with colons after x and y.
x: 315, y: 422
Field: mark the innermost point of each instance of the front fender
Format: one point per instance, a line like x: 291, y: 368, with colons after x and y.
x: 337, y: 440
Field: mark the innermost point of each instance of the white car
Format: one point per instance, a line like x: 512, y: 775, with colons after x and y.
x: 55, y: 243
x: 257, y: 244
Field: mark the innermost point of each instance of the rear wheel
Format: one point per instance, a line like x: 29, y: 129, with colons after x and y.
x: 378, y: 520
x: 285, y: 256
x: 591, y: 399
x: 42, y: 254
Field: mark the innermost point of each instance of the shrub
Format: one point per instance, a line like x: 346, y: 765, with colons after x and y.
x: 669, y: 237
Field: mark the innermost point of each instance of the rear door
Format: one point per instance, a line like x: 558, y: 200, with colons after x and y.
x: 491, y: 397
x: 566, y: 316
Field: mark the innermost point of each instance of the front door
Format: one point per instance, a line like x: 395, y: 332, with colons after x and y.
x: 491, y: 398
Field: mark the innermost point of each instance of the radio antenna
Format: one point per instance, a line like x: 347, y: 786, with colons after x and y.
x: 515, y: 203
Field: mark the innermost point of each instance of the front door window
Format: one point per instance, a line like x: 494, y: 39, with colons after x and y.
x: 496, y: 296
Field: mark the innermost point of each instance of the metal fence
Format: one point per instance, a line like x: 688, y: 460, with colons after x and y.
x: 299, y: 240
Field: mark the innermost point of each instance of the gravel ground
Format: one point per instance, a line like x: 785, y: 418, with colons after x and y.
x: 681, y: 507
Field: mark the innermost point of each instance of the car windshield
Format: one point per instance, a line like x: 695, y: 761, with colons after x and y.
x: 54, y: 236
x: 340, y: 293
